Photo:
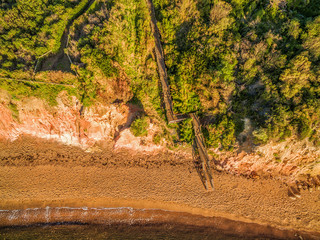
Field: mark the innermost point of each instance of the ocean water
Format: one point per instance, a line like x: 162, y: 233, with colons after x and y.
x: 115, y: 232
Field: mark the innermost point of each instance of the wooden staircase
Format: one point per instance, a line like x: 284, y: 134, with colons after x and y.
x: 199, y: 150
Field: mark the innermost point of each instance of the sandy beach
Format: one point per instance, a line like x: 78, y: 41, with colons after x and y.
x: 139, y: 182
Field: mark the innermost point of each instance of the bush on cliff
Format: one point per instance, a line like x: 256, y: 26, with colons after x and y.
x: 139, y: 127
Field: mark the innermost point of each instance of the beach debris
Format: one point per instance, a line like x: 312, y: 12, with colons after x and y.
x: 306, y: 182
x: 291, y: 195
x: 299, y: 185
x: 316, y: 182
x: 299, y: 236
x: 295, y: 191
x: 254, y: 175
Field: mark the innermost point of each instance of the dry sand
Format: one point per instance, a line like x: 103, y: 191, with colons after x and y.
x: 164, y: 181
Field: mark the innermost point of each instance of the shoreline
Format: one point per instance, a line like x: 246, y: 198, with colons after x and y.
x: 109, y: 216
x: 110, y: 203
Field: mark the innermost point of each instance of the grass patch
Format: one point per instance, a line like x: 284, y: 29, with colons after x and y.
x: 44, y: 91
x: 14, y: 111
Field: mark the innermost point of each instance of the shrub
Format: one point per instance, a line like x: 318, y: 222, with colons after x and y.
x: 260, y: 136
x: 186, y: 131
x: 156, y: 138
x: 139, y: 127
x: 221, y: 133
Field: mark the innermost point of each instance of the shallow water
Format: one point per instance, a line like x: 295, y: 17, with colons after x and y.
x: 152, y: 232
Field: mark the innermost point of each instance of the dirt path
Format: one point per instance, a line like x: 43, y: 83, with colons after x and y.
x: 131, y: 181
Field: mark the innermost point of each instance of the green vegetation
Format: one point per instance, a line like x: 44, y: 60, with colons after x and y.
x: 19, y: 90
x: 139, y: 127
x: 117, y: 50
x: 221, y: 133
x: 237, y: 58
x: 14, y: 111
x: 229, y: 60
x: 30, y: 29
x: 156, y: 138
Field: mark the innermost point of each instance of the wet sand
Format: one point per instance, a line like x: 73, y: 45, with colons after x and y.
x: 174, y: 187
x: 131, y: 218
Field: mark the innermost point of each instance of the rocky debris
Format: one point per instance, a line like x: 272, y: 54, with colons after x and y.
x: 293, y: 192
x: 316, y: 181
x: 306, y: 182
x: 291, y: 195
x: 285, y: 160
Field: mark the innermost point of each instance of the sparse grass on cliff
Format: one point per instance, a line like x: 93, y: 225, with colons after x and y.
x: 19, y: 90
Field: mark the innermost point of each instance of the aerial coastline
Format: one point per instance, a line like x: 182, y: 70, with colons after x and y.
x: 198, y: 113
x: 147, y: 184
